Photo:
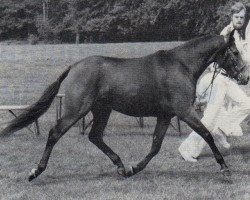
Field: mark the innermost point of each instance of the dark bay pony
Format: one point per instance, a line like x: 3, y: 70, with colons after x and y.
x: 162, y: 85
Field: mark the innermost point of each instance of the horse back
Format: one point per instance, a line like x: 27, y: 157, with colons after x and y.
x: 134, y: 86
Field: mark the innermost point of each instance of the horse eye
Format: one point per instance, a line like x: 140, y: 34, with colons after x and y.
x: 235, y: 52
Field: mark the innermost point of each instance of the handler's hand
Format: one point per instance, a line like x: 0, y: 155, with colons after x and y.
x: 227, y: 30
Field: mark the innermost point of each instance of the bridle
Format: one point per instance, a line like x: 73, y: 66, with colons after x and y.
x: 236, y: 69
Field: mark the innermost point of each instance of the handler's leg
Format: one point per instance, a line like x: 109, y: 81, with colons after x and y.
x: 192, y: 119
x: 194, y: 144
x: 222, y: 139
x: 238, y: 113
x: 191, y: 147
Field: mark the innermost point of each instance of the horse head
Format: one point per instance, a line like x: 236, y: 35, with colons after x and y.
x: 230, y: 59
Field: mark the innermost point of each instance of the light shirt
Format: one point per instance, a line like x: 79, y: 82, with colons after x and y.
x: 246, y: 46
x: 243, y: 46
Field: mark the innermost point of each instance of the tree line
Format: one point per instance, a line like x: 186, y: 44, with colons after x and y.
x: 111, y: 20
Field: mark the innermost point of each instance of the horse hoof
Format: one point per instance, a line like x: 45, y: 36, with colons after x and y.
x: 130, y: 172
x: 133, y: 171
x: 31, y: 177
x: 32, y: 174
x: 121, y: 171
x: 226, y: 172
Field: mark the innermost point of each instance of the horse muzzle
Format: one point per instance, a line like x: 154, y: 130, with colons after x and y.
x: 243, y: 81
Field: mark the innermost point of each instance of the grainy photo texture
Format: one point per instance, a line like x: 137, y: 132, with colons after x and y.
x: 118, y: 99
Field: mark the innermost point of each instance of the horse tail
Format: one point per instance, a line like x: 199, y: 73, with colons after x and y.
x: 37, y: 109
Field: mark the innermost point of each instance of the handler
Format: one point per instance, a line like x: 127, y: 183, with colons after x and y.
x: 216, y: 118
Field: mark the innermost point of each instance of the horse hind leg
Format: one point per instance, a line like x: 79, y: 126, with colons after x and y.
x: 62, y: 126
x: 100, y: 120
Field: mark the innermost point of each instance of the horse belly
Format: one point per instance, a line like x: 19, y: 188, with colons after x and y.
x: 135, y: 110
x: 135, y: 106
x: 131, y: 91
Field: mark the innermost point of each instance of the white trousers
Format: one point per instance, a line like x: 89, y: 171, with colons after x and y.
x: 216, y: 116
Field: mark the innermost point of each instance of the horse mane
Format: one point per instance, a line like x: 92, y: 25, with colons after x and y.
x: 199, y: 40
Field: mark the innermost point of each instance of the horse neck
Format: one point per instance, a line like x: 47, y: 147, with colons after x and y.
x: 198, y: 54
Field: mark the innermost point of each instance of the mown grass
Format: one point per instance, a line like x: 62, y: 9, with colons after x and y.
x: 77, y: 169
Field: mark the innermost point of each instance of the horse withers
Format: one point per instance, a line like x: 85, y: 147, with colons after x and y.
x: 161, y: 85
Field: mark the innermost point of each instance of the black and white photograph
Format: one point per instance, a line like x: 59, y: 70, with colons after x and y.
x: 124, y: 100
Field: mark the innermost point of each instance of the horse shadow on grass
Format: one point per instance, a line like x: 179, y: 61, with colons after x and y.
x: 146, y: 175
x: 187, y: 176
x: 84, y: 177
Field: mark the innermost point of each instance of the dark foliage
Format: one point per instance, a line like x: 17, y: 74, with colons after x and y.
x: 112, y: 20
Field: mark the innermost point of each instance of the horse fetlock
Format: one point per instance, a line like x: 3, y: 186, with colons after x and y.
x: 133, y: 170
x: 127, y: 172
x: 136, y: 169
x: 116, y: 160
x: 35, y: 173
x: 226, y: 172
x: 121, y: 171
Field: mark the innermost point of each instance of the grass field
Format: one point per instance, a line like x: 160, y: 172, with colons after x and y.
x: 77, y: 169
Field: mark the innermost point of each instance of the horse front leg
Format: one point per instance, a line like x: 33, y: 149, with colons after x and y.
x: 192, y: 119
x: 159, y: 133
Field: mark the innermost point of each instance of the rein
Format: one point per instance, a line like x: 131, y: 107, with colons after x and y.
x: 237, y: 70
x: 212, y: 81
x: 211, y: 84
